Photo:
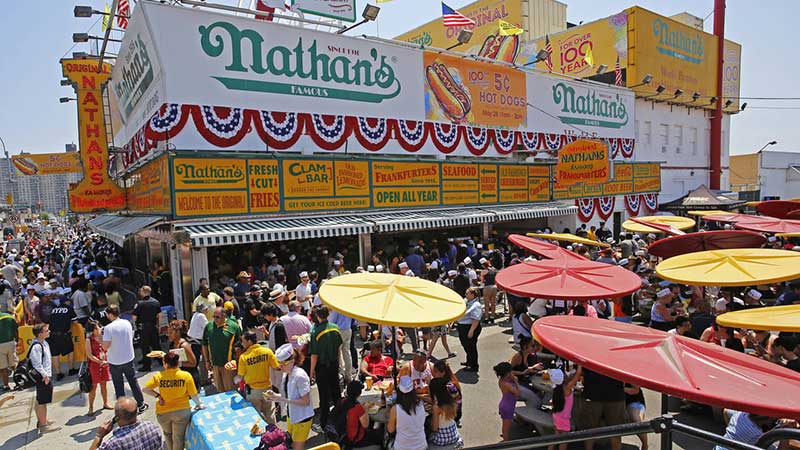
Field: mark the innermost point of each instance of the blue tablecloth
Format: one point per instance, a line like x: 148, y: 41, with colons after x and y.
x: 224, y: 424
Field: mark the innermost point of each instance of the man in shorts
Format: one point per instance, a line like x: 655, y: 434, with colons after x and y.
x: 8, y: 347
x: 60, y: 340
x: 41, y: 360
x: 603, y: 405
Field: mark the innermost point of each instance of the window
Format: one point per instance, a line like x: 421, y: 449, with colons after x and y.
x: 663, y: 136
x: 677, y: 133
x: 692, y: 140
x: 647, y: 132
x: 636, y: 129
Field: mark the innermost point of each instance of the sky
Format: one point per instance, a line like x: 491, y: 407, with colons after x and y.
x: 35, y: 34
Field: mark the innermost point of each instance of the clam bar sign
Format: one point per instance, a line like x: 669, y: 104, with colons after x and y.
x: 226, y: 60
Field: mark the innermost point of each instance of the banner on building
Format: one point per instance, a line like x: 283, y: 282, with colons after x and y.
x: 96, y: 192
x: 333, y: 9
x: 731, y: 70
x: 474, y: 93
x: 486, y: 39
x: 676, y: 55
x: 46, y: 163
x: 580, y: 109
x: 605, y: 39
x: 147, y: 188
x: 627, y: 178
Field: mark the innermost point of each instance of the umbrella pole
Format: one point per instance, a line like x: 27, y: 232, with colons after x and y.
x: 394, y: 354
x: 666, y: 436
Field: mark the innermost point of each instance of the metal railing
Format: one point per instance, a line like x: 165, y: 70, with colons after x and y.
x: 664, y: 425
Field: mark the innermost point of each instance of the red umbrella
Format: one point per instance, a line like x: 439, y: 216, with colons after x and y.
x: 793, y: 214
x: 777, y: 208
x: 727, y: 218
x: 711, y: 240
x: 542, y: 248
x: 568, y: 279
x: 674, y: 365
x: 767, y: 224
x: 667, y: 229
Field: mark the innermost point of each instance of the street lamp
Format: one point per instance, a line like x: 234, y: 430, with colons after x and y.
x: 767, y: 145
x: 659, y: 89
x: 463, y: 37
x: 369, y: 14
x: 646, y: 80
x: 540, y: 56
x: 67, y: 99
x: 601, y: 68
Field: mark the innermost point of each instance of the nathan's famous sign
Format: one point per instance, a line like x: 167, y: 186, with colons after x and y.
x: 96, y: 191
x: 252, y: 64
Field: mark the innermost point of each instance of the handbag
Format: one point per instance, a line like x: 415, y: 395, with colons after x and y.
x: 84, y: 378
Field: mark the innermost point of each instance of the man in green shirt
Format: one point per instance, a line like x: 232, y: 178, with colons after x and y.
x: 218, y: 339
x: 8, y: 347
x: 324, y: 348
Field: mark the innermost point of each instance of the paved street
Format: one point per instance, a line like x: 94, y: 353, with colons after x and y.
x: 481, y: 423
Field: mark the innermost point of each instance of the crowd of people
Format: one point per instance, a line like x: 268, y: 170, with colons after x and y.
x: 266, y: 333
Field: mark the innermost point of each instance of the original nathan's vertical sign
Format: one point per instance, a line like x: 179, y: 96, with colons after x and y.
x: 96, y: 191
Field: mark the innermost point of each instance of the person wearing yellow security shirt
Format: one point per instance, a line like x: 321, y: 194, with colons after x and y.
x: 173, y: 387
x: 253, y: 367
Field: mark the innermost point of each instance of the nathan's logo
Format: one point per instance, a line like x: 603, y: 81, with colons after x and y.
x: 589, y: 108
x: 136, y: 76
x: 191, y: 174
x: 348, y: 78
x: 423, y: 39
x: 677, y: 44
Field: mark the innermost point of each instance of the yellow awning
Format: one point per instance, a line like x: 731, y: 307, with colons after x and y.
x: 681, y: 223
x: 732, y: 267
x: 394, y: 300
x: 773, y: 318
x: 566, y: 237
x: 707, y: 212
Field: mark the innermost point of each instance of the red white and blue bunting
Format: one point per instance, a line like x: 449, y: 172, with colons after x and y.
x: 225, y: 127
x: 651, y: 201
x: 605, y: 206
x: 586, y: 208
x: 633, y: 204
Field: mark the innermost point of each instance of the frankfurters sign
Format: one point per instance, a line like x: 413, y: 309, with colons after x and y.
x: 467, y: 92
x: 96, y: 192
x: 583, y: 161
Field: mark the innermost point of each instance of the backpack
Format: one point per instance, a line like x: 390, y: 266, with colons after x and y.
x: 274, y: 439
x: 336, y: 429
x: 25, y: 375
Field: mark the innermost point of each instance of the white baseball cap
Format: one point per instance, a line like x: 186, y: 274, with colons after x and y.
x: 379, y: 268
x: 403, y: 265
x: 755, y: 294
x: 303, y: 274
x: 451, y: 273
x: 370, y: 268
x: 434, y: 264
x: 663, y: 293
x: 284, y: 352
x: 483, y: 261
x: 467, y: 260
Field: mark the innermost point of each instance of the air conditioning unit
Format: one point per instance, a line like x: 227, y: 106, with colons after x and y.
x: 677, y: 149
x: 663, y: 149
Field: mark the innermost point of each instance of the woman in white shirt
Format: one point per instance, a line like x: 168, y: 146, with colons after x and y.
x: 296, y: 393
x: 407, y: 418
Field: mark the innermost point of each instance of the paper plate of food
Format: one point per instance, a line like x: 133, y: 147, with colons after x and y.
x: 156, y: 354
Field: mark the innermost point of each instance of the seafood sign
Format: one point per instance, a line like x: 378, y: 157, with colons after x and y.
x: 472, y: 93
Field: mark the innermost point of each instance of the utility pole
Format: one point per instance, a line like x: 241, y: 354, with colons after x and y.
x: 715, y: 153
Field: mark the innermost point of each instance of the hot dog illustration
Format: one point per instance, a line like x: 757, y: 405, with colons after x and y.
x: 500, y: 48
x: 453, y: 98
x: 26, y: 166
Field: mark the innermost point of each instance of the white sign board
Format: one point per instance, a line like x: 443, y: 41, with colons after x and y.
x: 224, y: 60
x: 585, y: 109
x: 334, y: 9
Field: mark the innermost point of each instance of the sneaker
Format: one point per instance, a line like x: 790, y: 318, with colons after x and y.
x: 59, y: 377
x: 317, y: 428
x: 451, y: 355
x: 144, y: 407
x: 49, y: 428
x: 72, y: 372
x: 5, y: 388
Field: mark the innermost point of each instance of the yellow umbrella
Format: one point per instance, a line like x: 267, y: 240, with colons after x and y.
x: 752, y: 203
x: 707, y: 212
x: 393, y: 300
x: 773, y: 318
x: 566, y: 237
x: 681, y: 223
x: 731, y: 267
x: 789, y: 235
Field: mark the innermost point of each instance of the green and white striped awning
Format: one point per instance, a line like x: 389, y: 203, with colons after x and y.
x: 118, y: 228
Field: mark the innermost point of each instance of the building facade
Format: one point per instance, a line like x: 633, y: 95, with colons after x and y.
x: 766, y: 175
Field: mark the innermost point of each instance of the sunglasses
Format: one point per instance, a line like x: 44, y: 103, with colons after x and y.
x: 284, y: 363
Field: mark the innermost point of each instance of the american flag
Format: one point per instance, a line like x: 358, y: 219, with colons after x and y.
x: 617, y: 74
x: 123, y: 13
x: 453, y: 18
x: 549, y: 49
